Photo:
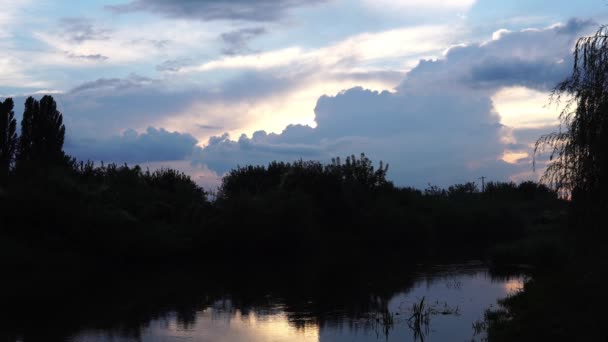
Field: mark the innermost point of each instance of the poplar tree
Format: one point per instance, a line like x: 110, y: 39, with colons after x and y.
x: 8, y: 137
x: 42, y: 132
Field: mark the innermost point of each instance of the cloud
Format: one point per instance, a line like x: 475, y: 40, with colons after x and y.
x: 133, y: 81
x: 14, y: 73
x: 523, y: 107
x: 79, y: 30
x: 130, y: 147
x: 389, y: 49
x: 174, y: 65
x: 12, y: 14
x: 442, y: 115
x: 106, y: 106
x: 93, y: 58
x: 237, y: 42
x: 440, y: 126
x: 409, y: 5
x: 421, y: 135
x: 124, y: 46
x: 245, y: 10
x: 220, y: 151
x: 212, y: 127
x: 520, y: 58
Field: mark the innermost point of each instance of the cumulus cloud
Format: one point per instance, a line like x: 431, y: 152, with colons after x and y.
x: 421, y: 135
x: 130, y: 147
x: 522, y: 58
x: 440, y: 126
x: 246, y: 10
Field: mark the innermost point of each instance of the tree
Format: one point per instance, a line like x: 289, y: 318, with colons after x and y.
x: 8, y: 137
x: 579, y: 149
x: 42, y: 132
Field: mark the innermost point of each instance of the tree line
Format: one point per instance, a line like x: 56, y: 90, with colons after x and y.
x: 343, y: 210
x: 41, y: 140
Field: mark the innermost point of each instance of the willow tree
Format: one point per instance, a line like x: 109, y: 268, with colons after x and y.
x: 578, y: 163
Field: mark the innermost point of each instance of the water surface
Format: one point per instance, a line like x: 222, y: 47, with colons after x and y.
x: 456, y: 295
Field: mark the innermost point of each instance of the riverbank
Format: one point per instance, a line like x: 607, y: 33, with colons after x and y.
x: 562, y: 301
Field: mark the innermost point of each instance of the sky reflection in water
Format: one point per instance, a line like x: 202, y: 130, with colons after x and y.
x: 469, y: 291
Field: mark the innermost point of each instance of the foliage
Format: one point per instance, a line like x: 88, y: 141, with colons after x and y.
x: 354, y: 173
x: 564, y: 302
x: 458, y: 190
x: 342, y: 211
x: 8, y: 137
x: 42, y: 133
x: 579, y: 163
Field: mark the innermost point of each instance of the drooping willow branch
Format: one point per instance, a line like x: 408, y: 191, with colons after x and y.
x: 578, y: 160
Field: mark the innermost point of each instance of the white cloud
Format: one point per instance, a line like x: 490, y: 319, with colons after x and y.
x: 13, y: 72
x: 413, y: 6
x: 359, y: 51
x: 124, y: 45
x: 10, y: 15
x: 272, y: 112
x: 521, y: 107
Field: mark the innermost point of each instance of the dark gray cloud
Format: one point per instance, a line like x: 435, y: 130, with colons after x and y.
x: 576, y: 25
x: 79, y: 30
x: 246, y: 10
x: 93, y: 58
x: 237, y: 42
x: 131, y: 147
x: 533, y: 74
x: 209, y: 127
x: 133, y: 81
x: 174, y: 65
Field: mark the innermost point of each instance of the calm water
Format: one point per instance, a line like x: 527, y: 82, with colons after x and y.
x: 358, y: 310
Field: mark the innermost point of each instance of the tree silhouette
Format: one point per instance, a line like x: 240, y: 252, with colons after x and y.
x: 42, y: 132
x: 8, y: 137
x: 579, y: 162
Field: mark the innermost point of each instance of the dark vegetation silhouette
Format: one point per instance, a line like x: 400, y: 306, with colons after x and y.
x: 8, y: 138
x: 567, y: 302
x: 59, y: 211
x: 61, y: 216
x: 42, y: 134
x: 578, y: 150
x: 350, y: 211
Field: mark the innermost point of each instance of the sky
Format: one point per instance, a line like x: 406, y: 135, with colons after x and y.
x: 444, y: 91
